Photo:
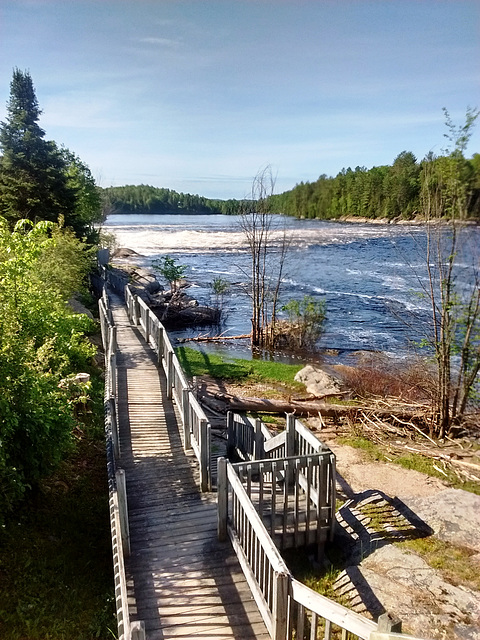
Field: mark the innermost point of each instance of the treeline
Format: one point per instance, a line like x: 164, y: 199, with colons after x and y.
x: 147, y: 199
x: 392, y: 192
x: 40, y: 180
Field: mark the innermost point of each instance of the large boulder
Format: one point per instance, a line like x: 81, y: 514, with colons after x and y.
x: 318, y: 382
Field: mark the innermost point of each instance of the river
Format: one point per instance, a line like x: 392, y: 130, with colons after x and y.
x: 370, y: 275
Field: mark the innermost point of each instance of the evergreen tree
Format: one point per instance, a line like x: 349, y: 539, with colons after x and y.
x: 33, y: 181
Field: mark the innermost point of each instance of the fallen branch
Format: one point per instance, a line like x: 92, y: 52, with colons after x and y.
x: 220, y: 338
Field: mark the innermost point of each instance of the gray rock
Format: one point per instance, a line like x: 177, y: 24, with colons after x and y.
x: 318, y: 382
x: 453, y: 514
x: 428, y: 605
x: 78, y: 307
x: 153, y: 287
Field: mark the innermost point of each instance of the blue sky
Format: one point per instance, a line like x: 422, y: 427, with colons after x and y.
x: 198, y: 95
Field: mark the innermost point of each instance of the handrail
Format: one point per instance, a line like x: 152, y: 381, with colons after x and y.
x: 250, y: 439
x: 299, y: 475
x: 304, y: 600
x: 289, y: 608
x: 127, y: 630
x: 262, y: 564
x: 196, y: 427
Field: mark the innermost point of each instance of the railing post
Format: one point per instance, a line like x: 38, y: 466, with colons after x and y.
x: 280, y: 606
x: 147, y: 327
x: 258, y: 451
x: 204, y: 455
x: 136, y: 310
x: 222, y: 499
x: 123, y: 509
x: 169, y: 373
x: 290, y: 446
x: 160, y: 343
x: 112, y: 339
x: 186, y: 419
x: 388, y: 623
x: 230, y: 434
x: 137, y: 630
x: 114, y: 428
x: 112, y: 366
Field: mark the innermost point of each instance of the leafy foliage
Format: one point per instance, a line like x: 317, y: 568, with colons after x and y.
x: 41, y: 341
x: 380, y: 192
x: 305, y: 321
x: 170, y: 270
x: 455, y: 327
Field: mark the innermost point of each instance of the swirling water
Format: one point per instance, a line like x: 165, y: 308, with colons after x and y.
x: 373, y: 277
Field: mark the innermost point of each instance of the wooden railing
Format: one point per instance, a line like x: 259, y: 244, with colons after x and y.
x: 250, y: 439
x: 127, y: 630
x: 289, y: 608
x: 261, y: 562
x: 196, y: 427
x: 292, y: 497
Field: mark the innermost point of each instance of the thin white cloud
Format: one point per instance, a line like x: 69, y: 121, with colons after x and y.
x: 164, y: 42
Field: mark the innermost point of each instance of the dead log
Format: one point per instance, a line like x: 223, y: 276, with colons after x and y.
x: 265, y: 405
x: 213, y: 338
x: 306, y: 408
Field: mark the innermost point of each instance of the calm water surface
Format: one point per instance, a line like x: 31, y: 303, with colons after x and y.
x: 370, y: 275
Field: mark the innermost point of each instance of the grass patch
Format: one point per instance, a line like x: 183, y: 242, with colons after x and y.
x: 56, y: 574
x: 198, y: 363
x: 453, y: 562
x: 371, y: 450
x: 320, y: 580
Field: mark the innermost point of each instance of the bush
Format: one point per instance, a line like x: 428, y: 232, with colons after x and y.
x: 41, y: 342
x: 303, y: 326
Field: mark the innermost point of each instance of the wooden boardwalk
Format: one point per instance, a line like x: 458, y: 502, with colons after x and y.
x: 182, y: 582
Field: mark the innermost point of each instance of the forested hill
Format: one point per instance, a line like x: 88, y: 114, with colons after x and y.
x: 381, y: 192
x: 389, y: 191
x: 147, y: 199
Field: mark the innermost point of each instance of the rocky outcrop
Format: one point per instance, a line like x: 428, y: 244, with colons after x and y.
x: 175, y: 309
x: 318, y: 382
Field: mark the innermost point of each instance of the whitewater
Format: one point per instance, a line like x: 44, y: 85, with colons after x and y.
x: 372, y: 276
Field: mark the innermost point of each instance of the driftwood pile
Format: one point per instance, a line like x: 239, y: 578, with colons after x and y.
x: 397, y: 428
x: 399, y: 437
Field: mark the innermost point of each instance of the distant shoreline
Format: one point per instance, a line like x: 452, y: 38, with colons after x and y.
x: 344, y: 219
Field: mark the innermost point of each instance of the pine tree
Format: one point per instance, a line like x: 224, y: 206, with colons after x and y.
x: 33, y: 181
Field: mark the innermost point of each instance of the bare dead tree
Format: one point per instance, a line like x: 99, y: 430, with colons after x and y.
x: 268, y: 245
x: 455, y: 313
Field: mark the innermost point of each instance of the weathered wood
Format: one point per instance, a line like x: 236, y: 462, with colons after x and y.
x: 388, y: 623
x: 280, y: 606
x: 332, y: 611
x: 185, y: 420
x: 123, y: 510
x: 214, y: 338
x: 222, y: 499
x: 183, y: 583
x: 264, y: 405
x: 137, y: 630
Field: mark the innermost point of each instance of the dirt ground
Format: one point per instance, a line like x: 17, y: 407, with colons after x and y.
x: 384, y: 576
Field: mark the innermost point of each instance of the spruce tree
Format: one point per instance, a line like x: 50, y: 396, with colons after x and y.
x: 33, y: 181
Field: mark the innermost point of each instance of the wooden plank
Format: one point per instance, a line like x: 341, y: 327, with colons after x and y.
x: 183, y: 583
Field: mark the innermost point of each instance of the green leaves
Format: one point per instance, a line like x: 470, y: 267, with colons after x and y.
x: 170, y: 270
x: 37, y: 179
x: 41, y: 342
